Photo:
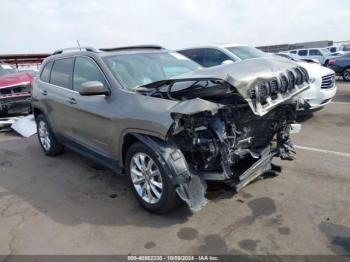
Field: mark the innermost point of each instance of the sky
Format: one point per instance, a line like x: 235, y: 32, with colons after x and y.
x: 28, y: 26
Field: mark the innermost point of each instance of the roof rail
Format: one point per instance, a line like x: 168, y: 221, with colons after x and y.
x: 83, y: 48
x: 157, y: 47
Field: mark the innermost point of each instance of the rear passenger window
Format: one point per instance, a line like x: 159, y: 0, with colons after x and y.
x: 61, y: 73
x: 86, y: 70
x: 314, y: 52
x: 302, y: 52
x: 45, y: 74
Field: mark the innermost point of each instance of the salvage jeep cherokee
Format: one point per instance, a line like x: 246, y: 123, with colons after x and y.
x: 164, y: 121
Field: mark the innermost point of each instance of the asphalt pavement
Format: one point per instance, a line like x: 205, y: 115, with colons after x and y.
x: 68, y: 205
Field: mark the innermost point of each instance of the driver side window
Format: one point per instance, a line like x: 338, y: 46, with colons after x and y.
x: 86, y: 70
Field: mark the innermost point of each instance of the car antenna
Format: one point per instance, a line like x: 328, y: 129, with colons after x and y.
x: 79, y: 45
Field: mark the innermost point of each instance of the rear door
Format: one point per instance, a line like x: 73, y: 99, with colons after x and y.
x: 316, y: 54
x: 303, y: 52
x: 91, y: 115
x: 56, y: 93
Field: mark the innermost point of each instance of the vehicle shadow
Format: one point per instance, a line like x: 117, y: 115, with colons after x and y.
x: 71, y: 190
x: 304, y: 117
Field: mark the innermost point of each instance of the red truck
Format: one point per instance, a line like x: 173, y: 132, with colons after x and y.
x: 15, y: 90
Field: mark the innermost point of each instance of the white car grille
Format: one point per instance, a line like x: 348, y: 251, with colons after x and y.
x: 328, y: 81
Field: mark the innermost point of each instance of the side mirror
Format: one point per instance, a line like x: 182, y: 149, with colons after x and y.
x: 93, y: 88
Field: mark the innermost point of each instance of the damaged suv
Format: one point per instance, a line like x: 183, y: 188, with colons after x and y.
x: 168, y: 124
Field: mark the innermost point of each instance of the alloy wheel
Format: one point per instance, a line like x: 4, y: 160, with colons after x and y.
x: 44, y: 136
x: 146, y: 178
x: 347, y: 74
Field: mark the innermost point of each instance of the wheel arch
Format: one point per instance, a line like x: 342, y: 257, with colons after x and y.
x: 169, y: 155
x: 131, y: 136
x: 37, y: 111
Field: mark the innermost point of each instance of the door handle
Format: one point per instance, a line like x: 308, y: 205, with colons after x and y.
x: 72, y: 101
x: 44, y: 92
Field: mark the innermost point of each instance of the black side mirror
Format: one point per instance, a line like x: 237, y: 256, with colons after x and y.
x: 93, y: 88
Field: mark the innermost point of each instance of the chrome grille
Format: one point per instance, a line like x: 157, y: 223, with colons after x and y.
x: 328, y: 81
x: 284, y: 84
x: 291, y: 79
x: 299, y: 76
x: 274, y: 88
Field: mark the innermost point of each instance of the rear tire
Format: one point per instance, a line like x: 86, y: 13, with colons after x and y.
x: 47, y: 140
x: 142, y: 165
x: 346, y: 74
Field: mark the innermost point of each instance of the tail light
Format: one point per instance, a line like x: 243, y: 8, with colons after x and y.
x: 332, y: 62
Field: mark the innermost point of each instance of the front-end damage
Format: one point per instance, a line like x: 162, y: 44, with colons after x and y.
x: 228, y: 124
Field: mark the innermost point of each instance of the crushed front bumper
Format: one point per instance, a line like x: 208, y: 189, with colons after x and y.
x: 15, y: 104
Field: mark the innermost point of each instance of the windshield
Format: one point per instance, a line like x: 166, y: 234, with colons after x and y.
x: 134, y: 70
x: 7, y: 70
x: 246, y: 52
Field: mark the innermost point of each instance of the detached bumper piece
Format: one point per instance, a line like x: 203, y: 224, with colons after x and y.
x: 260, y: 167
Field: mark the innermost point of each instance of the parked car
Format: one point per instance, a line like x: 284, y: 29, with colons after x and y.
x: 166, y: 122
x: 295, y: 57
x: 6, y: 69
x: 213, y: 55
x: 15, y: 90
x: 322, y: 80
x: 322, y: 85
x: 341, y: 65
x: 33, y: 72
x: 321, y: 54
x: 338, y: 49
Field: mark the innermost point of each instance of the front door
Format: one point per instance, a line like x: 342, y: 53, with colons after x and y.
x: 92, y: 115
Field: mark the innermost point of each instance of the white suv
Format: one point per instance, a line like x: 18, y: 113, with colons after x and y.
x: 321, y: 54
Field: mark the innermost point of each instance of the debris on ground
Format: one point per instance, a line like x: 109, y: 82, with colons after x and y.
x: 25, y: 125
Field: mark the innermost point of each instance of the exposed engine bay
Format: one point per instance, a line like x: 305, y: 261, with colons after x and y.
x: 229, y: 128
x: 219, y: 142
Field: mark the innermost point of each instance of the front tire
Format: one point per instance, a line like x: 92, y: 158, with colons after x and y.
x: 47, y: 140
x: 151, y: 186
x: 346, y: 74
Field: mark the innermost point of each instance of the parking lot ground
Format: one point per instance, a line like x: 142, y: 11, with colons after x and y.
x: 68, y: 205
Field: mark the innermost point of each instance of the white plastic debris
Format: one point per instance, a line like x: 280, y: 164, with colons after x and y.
x: 25, y: 126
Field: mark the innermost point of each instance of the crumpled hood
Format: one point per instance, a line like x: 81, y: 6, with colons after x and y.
x: 246, y: 75
x: 15, y: 79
